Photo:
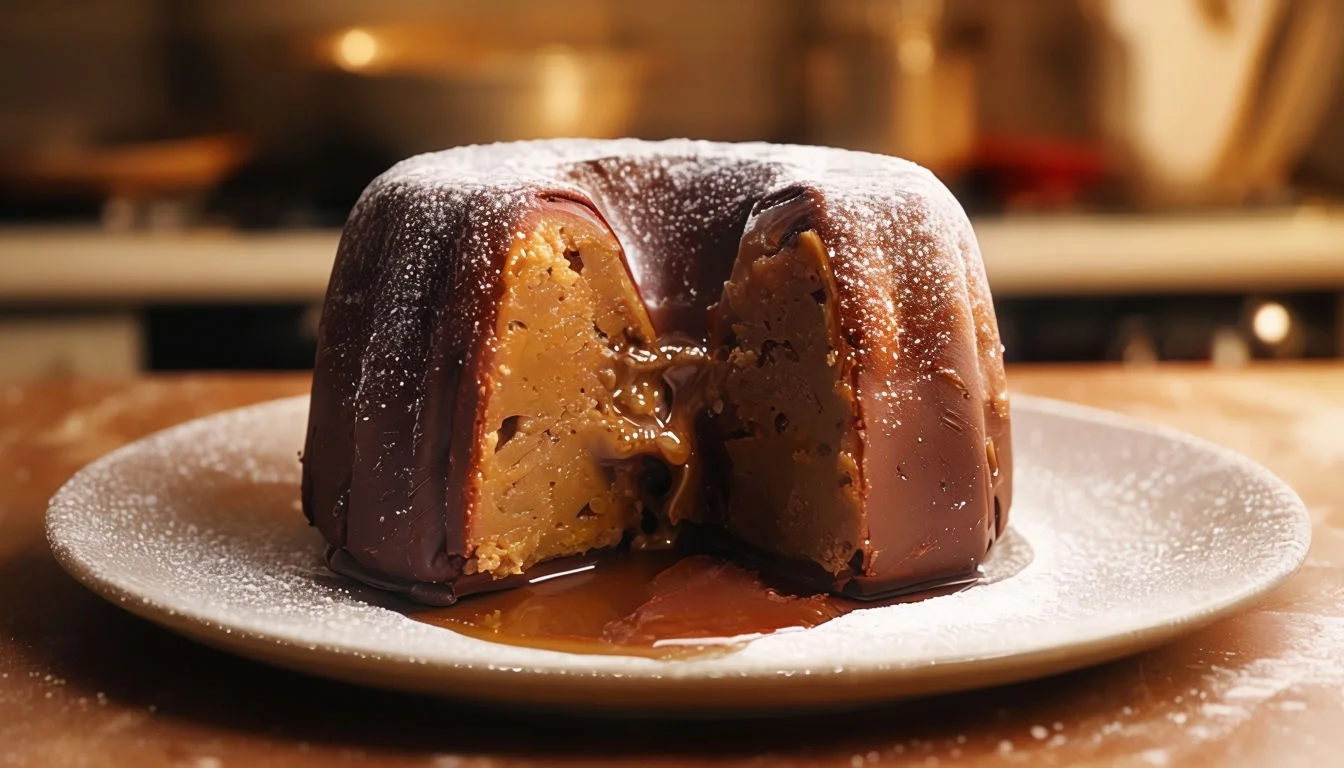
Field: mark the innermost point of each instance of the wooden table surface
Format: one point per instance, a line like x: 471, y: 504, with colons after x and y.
x: 82, y: 683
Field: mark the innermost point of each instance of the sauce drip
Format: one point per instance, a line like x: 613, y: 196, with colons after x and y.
x: 653, y: 604
x: 663, y: 605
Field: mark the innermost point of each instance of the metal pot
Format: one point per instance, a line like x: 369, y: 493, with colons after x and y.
x: 421, y: 74
x: 405, y: 91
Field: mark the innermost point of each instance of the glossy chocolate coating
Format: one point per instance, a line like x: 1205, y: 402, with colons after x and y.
x: 415, y: 290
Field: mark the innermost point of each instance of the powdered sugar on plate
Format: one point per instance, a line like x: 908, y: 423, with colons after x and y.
x: 1138, y: 534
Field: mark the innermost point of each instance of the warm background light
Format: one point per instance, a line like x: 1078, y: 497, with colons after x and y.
x: 1272, y: 323
x: 356, y: 49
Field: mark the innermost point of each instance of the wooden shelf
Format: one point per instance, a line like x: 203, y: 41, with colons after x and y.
x: 1301, y: 250
x: 1281, y: 251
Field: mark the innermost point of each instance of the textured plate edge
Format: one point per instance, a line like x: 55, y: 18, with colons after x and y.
x: 777, y: 694
x: 666, y: 693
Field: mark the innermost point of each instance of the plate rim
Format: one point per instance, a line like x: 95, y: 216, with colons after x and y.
x: 663, y: 690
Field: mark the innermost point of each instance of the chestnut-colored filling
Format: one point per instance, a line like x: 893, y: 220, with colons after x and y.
x: 593, y: 427
x: 785, y: 407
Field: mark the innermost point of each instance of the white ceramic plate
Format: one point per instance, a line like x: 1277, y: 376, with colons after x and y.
x: 1135, y: 534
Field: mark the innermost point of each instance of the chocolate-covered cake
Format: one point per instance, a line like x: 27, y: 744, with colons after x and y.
x: 533, y: 352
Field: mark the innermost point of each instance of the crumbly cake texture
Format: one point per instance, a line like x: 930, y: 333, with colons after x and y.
x: 532, y: 350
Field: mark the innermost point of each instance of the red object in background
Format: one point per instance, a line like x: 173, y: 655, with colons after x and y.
x: 1041, y: 171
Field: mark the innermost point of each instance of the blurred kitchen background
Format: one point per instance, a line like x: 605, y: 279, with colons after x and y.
x: 1150, y: 181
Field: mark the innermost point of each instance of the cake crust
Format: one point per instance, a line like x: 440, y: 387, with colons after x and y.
x: 411, y: 328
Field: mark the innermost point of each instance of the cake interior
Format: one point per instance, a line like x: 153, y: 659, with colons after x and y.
x: 784, y: 399
x: 594, y: 429
x: 554, y: 443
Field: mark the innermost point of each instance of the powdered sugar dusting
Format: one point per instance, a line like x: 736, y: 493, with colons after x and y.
x: 199, y: 525
x: 901, y: 244
x: 670, y: 195
x: 414, y: 293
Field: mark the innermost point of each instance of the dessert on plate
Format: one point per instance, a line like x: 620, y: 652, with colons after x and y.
x: 534, y: 352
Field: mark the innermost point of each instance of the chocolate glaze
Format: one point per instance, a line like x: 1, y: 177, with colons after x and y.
x: 414, y: 293
x: 927, y: 415
x: 804, y: 574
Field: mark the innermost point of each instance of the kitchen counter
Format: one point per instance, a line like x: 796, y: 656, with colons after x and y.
x: 1288, y: 250
x: 83, y: 683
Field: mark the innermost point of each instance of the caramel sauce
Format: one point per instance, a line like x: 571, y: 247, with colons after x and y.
x: 664, y: 605
x: 652, y: 604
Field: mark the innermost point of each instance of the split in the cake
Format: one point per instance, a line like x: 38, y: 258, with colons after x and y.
x: 532, y: 353
x: 596, y: 433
